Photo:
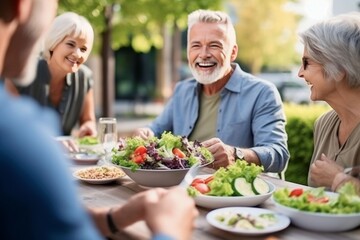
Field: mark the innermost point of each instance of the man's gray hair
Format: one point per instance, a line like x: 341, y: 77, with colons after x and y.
x: 209, y: 16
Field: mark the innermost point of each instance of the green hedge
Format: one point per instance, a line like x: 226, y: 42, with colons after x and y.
x: 299, y: 127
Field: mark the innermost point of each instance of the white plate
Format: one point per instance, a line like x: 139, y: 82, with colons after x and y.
x: 97, y: 181
x: 232, y: 201
x: 281, y: 223
x: 64, y: 138
x: 84, y: 158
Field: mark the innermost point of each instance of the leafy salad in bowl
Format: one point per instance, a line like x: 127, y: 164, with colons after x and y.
x: 318, y: 200
x: 165, y: 153
x: 318, y: 210
x: 239, y: 179
x: 89, y: 144
x: 238, y: 184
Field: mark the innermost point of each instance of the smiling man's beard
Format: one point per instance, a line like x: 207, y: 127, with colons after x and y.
x: 205, y: 77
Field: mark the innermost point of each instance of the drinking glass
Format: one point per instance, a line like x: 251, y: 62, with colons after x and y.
x: 107, y: 134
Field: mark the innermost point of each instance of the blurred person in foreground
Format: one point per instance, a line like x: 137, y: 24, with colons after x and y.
x: 40, y: 201
x: 233, y: 113
x: 331, y: 63
x: 63, y: 82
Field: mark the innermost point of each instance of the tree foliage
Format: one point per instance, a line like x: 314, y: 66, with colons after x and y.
x: 266, y: 34
x: 137, y: 23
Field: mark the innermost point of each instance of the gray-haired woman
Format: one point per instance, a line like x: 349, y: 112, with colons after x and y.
x: 331, y: 63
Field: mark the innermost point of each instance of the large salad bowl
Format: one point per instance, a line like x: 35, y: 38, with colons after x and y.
x: 156, y: 178
x: 317, y: 210
x: 159, y: 162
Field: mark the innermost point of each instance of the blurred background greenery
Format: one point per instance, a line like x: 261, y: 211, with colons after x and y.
x: 299, y: 127
x: 141, y: 44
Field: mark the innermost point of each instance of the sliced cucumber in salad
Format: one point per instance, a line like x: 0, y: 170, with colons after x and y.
x: 242, y: 187
x: 260, y: 186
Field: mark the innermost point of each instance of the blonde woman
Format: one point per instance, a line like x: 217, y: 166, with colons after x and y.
x: 62, y: 81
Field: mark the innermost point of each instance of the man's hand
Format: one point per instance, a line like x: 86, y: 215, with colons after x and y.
x: 223, y: 154
x: 144, y: 133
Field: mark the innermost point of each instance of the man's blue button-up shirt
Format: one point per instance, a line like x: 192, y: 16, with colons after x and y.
x: 250, y: 115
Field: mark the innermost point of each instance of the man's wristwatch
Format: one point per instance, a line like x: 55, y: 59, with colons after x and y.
x: 238, y: 154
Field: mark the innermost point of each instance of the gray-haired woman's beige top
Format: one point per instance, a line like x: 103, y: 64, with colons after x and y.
x: 326, y: 141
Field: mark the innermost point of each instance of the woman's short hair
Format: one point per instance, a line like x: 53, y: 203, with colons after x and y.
x: 335, y: 44
x: 64, y: 25
x: 209, y: 16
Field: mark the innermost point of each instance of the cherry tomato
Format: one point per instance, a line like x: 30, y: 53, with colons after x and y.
x: 314, y: 199
x: 202, y: 188
x: 322, y: 199
x: 139, y: 154
x: 178, y: 153
x: 139, y: 159
x: 296, y: 192
x: 196, y: 181
x: 140, y: 150
x: 209, y: 179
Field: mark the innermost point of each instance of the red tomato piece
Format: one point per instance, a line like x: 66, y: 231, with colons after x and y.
x: 179, y: 153
x: 202, y: 188
x: 296, y: 192
x: 140, y: 150
x: 322, y: 199
x: 139, y: 159
x: 314, y: 199
x: 196, y: 181
x: 209, y: 179
x: 139, y: 154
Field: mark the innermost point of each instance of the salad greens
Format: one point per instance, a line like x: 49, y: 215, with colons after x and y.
x: 316, y: 200
x: 246, y: 221
x: 88, y: 140
x: 222, y: 183
x: 168, y: 152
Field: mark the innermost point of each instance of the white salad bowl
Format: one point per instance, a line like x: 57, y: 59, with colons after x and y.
x: 322, y: 222
x: 156, y: 177
x: 213, y: 202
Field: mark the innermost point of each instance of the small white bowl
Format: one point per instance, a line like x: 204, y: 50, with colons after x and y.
x: 321, y: 222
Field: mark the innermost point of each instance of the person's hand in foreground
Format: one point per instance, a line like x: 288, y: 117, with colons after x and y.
x: 88, y: 128
x: 323, y: 171
x: 171, y: 212
x: 70, y: 145
x: 144, y: 133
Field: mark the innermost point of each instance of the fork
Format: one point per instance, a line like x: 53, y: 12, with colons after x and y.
x: 190, y: 175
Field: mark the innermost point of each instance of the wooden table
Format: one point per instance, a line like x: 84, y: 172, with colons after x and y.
x: 118, y: 193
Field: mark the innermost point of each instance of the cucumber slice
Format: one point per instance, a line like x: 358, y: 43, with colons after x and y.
x: 242, y: 188
x: 260, y: 186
